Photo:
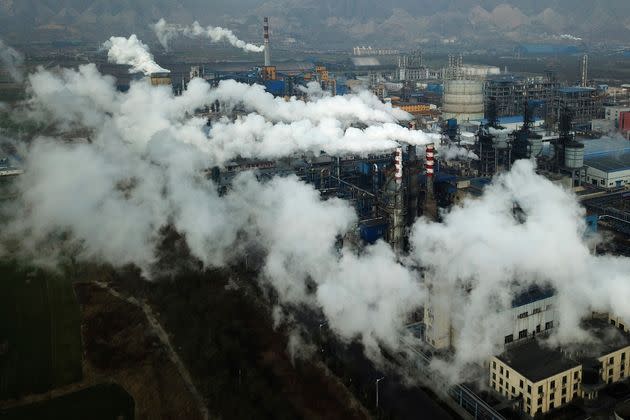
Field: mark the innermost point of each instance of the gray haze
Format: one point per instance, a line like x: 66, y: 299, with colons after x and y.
x: 327, y: 22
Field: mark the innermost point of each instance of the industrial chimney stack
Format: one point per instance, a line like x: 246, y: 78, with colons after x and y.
x: 267, y: 44
x: 430, y: 206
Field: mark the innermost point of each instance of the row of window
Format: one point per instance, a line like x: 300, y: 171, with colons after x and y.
x: 523, y: 333
x: 621, y: 326
x: 534, y: 311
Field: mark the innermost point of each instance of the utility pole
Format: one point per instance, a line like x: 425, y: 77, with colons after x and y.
x: 377, y: 381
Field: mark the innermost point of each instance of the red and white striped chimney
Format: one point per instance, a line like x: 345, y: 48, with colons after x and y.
x: 430, y: 159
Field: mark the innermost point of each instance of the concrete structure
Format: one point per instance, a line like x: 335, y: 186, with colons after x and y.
x: 463, y: 100
x: 544, y: 378
x: 612, y: 113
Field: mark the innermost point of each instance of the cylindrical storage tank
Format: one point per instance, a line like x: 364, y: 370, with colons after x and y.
x: 536, y: 146
x: 574, y: 155
x: 501, y: 139
x: 463, y: 100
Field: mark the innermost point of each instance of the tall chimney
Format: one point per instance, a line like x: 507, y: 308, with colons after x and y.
x: 267, y: 43
x: 430, y: 206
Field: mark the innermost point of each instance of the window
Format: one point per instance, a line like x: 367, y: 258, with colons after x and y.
x: 564, y: 380
x: 520, y: 384
x: 529, y: 389
x: 610, y: 372
x: 552, y: 396
x: 529, y: 401
x: 563, y: 400
x: 551, y: 405
x: 539, y: 401
x: 500, y: 381
x: 522, y: 334
x: 494, y: 376
x: 494, y: 365
x: 509, y: 338
x: 564, y: 391
x: 574, y: 386
x: 575, y: 394
x: 623, y: 366
x: 536, y: 311
x: 552, y: 384
x: 621, y: 326
x: 612, y: 321
x: 501, y: 370
x: 623, y: 356
x: 611, y: 360
x: 523, y: 315
x: 513, y: 390
x: 538, y: 328
x: 494, y: 385
x: 622, y: 374
x: 548, y: 325
x: 507, y: 373
x: 575, y: 374
x: 540, y: 389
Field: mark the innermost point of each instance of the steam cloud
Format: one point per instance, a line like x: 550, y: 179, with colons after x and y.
x: 166, y: 32
x: 133, y: 52
x: 143, y: 169
x: 12, y: 60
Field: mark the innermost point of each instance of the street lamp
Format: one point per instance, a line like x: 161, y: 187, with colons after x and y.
x: 321, y: 338
x: 377, y: 381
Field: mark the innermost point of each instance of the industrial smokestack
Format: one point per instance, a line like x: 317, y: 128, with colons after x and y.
x: 414, y: 189
x: 267, y: 43
x: 430, y: 206
x: 584, y: 70
x: 397, y: 221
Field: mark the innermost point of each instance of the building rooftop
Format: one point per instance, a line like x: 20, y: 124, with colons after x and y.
x: 535, y: 361
x: 576, y: 89
x: 609, y: 161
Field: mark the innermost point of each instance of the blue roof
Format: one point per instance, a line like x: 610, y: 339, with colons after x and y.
x: 609, y: 161
x: 513, y: 119
x: 533, y: 294
x: 575, y: 89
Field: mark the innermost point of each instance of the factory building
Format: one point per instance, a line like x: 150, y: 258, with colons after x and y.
x: 161, y: 79
x: 542, y: 378
x: 584, y: 103
x: 510, y: 92
x: 608, y: 169
x: 532, y: 313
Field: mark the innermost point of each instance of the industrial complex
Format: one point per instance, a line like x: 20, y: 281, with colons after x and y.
x: 482, y: 119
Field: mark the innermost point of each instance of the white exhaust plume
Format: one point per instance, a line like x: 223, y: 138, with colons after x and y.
x: 362, y: 107
x: 482, y: 256
x: 133, y: 52
x: 451, y: 152
x: 166, y: 32
x: 12, y: 60
x: 143, y: 169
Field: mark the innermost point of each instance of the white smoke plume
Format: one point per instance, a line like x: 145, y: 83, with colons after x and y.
x: 361, y: 107
x: 12, y: 60
x: 144, y: 166
x: 165, y: 32
x: 451, y: 152
x: 481, y: 256
x: 313, y: 90
x: 133, y: 52
x: 569, y: 37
